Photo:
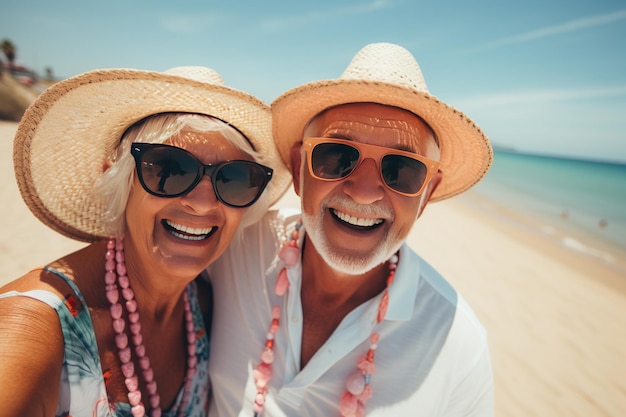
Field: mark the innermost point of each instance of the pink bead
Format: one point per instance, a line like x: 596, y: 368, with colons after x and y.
x: 131, y: 306
x: 155, y: 401
x: 257, y: 408
x: 109, y: 255
x: 276, y: 312
x: 190, y: 373
x: 151, y: 387
x: 128, y: 369
x: 260, y: 399
x: 190, y: 327
x: 119, y: 325
x: 140, y: 351
x: 144, y: 363
x: 156, y: 412
x: 110, y: 244
x: 137, y: 339
x: 282, y: 283
x: 132, y: 383
x: 135, y: 328
x: 121, y: 269
x: 382, y: 307
x: 374, y: 338
x: 267, y: 356
x: 366, y: 394
x: 119, y: 244
x: 191, y: 349
x: 289, y: 255
x: 124, y: 355
x: 355, y: 383
x: 148, y: 375
x: 119, y: 257
x: 274, y: 328
x: 109, y: 265
x: 192, y: 362
x: 133, y: 317
x: 262, y: 375
x: 123, y: 281
x: 347, y: 405
x: 128, y: 294
x: 138, y: 411
x: 121, y: 340
x: 113, y: 296
x: 109, y: 278
x: 116, y: 311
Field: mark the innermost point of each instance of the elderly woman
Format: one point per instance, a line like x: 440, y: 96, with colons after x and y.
x: 157, y: 171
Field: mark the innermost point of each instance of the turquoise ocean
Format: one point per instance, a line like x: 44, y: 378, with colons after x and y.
x: 580, y: 204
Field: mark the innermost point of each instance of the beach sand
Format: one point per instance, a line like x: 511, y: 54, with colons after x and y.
x: 556, y: 319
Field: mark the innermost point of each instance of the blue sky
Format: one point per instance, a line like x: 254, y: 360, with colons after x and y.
x: 545, y: 76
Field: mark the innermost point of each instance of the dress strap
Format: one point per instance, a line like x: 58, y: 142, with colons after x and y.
x: 68, y: 281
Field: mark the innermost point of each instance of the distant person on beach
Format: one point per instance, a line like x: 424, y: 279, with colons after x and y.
x: 347, y: 319
x: 121, y: 327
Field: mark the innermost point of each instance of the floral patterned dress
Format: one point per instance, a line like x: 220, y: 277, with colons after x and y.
x: 83, y: 391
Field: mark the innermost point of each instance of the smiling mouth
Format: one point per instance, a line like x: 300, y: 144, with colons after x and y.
x: 358, y: 222
x: 188, y: 233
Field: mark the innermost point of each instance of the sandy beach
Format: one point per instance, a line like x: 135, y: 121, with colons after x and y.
x: 556, y: 320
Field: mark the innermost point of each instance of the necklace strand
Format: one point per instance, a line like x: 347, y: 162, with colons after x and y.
x: 115, y: 278
x: 358, y: 389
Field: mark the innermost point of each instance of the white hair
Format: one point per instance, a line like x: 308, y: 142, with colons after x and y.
x: 115, y: 184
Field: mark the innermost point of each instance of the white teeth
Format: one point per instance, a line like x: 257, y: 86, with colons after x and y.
x: 356, y: 221
x: 188, y: 233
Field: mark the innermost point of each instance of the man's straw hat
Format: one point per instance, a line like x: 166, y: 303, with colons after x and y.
x: 388, y: 74
x: 67, y: 134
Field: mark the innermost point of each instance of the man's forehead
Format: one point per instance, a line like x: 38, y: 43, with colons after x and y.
x: 352, y: 120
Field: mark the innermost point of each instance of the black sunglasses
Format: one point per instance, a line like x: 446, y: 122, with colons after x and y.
x: 406, y: 173
x: 168, y: 171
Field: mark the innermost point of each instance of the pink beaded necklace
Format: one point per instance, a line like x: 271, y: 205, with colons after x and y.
x: 358, y: 388
x: 115, y: 276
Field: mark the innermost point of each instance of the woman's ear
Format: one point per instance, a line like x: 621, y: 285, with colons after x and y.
x: 295, y: 159
x: 106, y: 164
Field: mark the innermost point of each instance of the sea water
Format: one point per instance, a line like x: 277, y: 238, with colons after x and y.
x: 584, y: 199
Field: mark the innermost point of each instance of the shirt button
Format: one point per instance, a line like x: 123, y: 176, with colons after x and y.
x: 295, y: 319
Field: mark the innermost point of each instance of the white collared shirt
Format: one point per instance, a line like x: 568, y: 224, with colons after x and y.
x: 432, y: 357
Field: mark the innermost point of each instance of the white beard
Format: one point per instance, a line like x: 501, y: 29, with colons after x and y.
x: 342, y: 263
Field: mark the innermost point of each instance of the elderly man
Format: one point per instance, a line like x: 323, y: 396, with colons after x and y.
x: 347, y: 319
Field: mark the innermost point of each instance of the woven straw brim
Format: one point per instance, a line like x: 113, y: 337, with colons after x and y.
x: 66, y: 135
x: 466, y: 153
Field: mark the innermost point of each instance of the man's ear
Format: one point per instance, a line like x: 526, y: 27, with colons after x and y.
x: 295, y: 159
x: 430, y: 189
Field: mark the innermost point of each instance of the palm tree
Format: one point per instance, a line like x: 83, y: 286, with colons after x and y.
x: 9, y: 51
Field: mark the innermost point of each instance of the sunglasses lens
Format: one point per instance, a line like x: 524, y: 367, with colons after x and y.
x: 403, y: 174
x: 166, y: 171
x: 333, y: 160
x: 240, y: 183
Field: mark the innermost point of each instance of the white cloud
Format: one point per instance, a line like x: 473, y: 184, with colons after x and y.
x: 570, y: 26
x: 541, y: 96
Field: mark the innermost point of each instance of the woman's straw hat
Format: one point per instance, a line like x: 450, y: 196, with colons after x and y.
x: 67, y: 134
x: 388, y: 74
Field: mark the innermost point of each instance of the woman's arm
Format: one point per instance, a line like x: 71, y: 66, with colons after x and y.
x: 31, y: 356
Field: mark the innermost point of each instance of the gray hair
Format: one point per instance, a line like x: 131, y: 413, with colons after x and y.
x: 115, y: 184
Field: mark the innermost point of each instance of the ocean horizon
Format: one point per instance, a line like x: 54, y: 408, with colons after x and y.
x: 580, y: 203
